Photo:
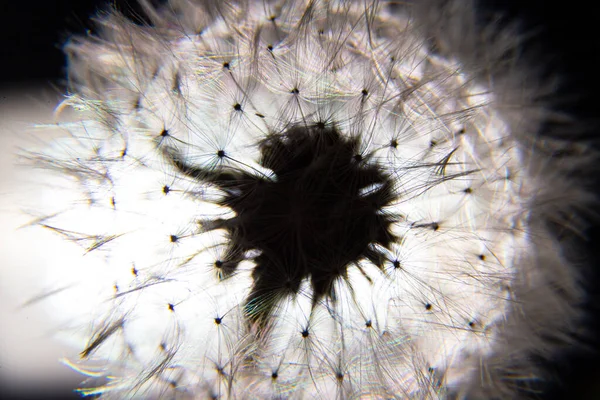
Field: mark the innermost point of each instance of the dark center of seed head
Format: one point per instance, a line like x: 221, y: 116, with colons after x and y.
x: 312, y: 222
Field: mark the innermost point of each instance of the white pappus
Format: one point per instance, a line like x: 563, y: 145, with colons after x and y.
x: 307, y: 199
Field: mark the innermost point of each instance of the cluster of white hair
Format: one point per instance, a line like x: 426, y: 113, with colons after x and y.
x: 476, y: 287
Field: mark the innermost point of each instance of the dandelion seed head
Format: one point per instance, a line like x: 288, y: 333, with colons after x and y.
x: 295, y: 199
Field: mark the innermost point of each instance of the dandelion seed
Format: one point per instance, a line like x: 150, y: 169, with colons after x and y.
x: 306, y: 199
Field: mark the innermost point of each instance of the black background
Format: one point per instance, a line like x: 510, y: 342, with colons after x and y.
x: 566, y: 41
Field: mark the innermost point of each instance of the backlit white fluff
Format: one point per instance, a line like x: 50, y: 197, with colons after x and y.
x: 476, y: 286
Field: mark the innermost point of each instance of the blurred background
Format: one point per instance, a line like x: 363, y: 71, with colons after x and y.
x: 32, y: 77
